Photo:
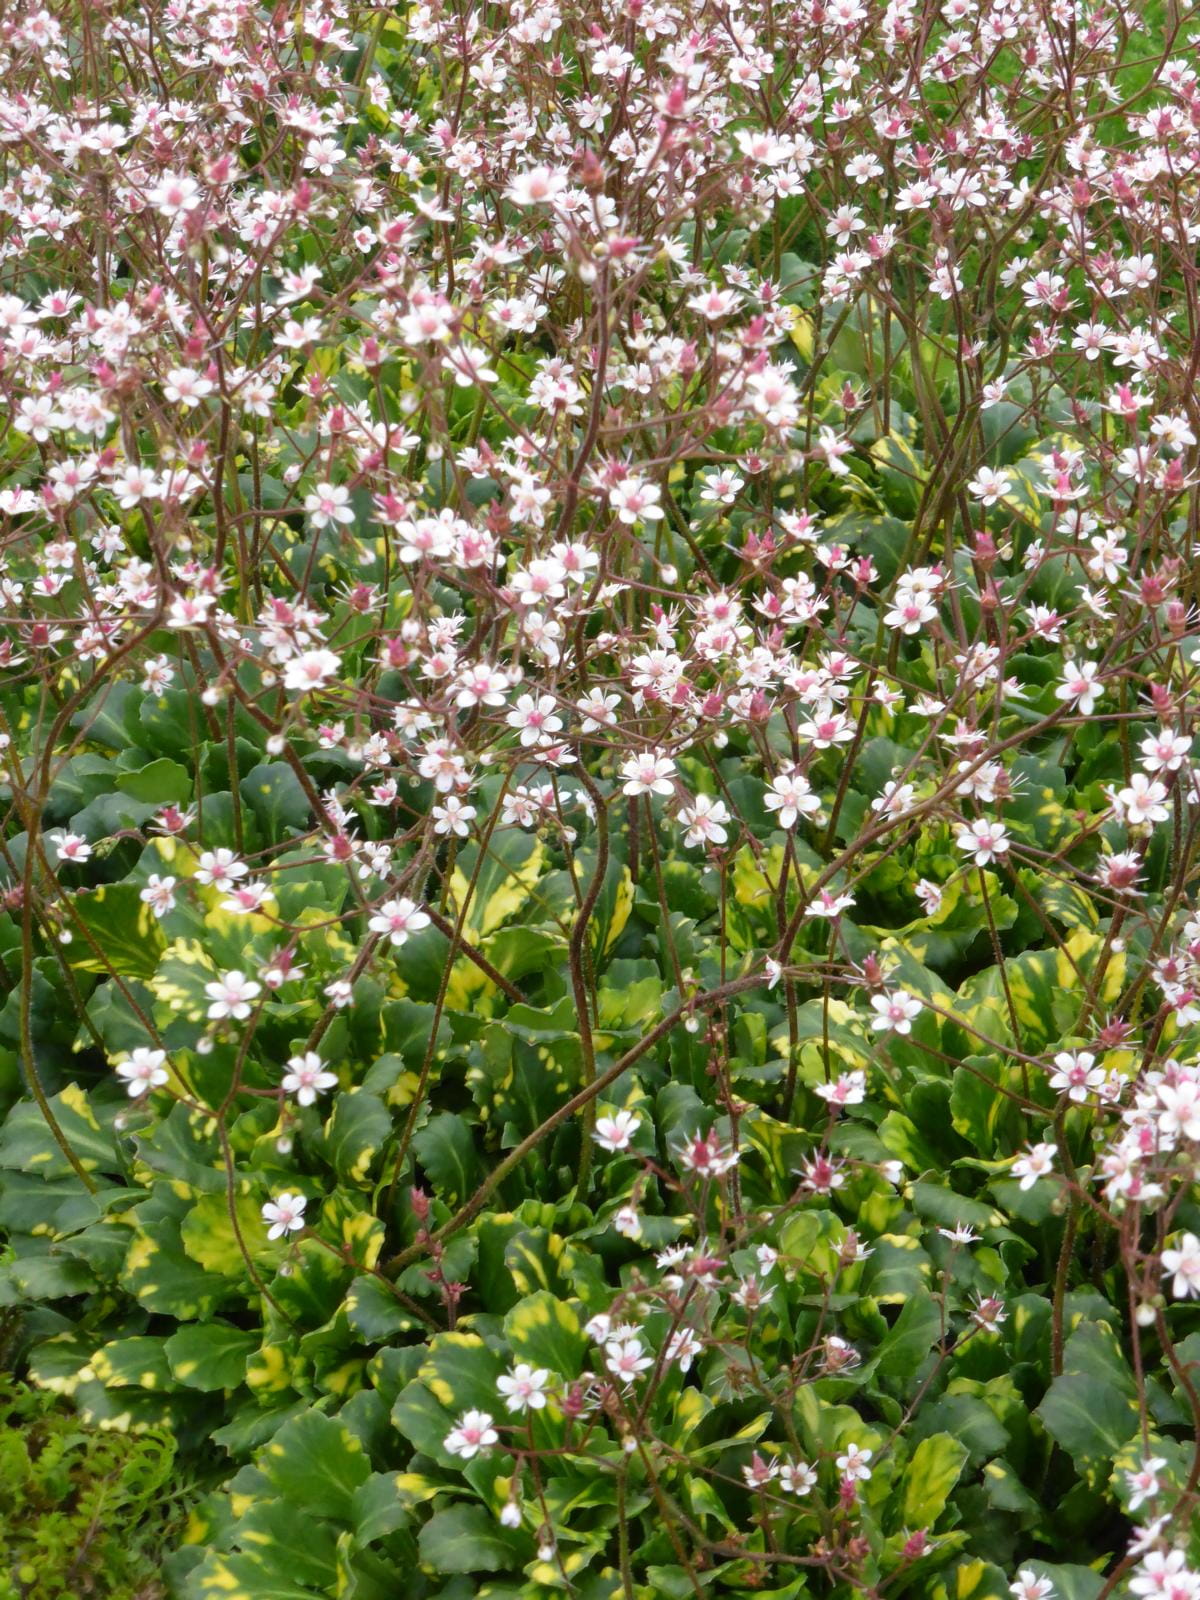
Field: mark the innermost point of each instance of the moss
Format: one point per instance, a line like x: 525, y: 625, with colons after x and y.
x: 86, y: 1513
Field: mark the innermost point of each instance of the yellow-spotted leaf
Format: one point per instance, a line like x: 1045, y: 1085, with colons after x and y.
x: 502, y: 885
x: 460, y: 1371
x: 466, y: 1538
x: 238, y: 1576
x: 318, y: 1465
x: 139, y: 1362
x: 221, y: 1242
x: 209, y: 1356
x: 933, y: 1470
x: 117, y: 932
x: 28, y: 1145
x: 546, y: 1332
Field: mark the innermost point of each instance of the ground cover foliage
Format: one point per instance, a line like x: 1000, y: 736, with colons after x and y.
x: 86, y: 1512
x: 599, y: 829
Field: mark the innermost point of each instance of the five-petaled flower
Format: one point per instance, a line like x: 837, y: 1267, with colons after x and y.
x: 471, y: 1435
x: 232, y: 995
x: 397, y: 919
x: 285, y: 1214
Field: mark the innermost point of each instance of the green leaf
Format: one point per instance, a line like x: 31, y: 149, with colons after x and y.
x: 461, y: 1371
x: 242, y: 1577
x: 446, y: 1150
x: 980, y: 1109
x: 971, y: 1580
x: 267, y: 1532
x: 210, y: 1356
x: 911, y: 1337
x: 372, y: 1311
x: 970, y: 1420
x: 1091, y: 1410
x: 469, y: 1539
x: 547, y: 1333
x: 158, y: 1272
x: 901, y: 471
x: 27, y: 1144
x: 929, y: 1477
x: 140, y: 1363
x: 378, y: 1507
x: 318, y: 1465
x: 1070, y: 1581
x: 1006, y: 1492
x: 210, y: 1238
x: 111, y: 718
x: 512, y: 866
x: 127, y: 935
x: 355, y: 1134
x: 273, y: 793
x: 162, y: 782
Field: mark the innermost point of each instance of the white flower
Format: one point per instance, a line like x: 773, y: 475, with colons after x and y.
x: 894, y: 798
x: 851, y: 1087
x: 306, y: 1077
x: 797, y: 1477
x: 634, y: 500
x: 231, y: 996
x: 683, y: 1347
x: 1180, y: 1114
x: 598, y: 1328
x: 453, y: 816
x: 539, y: 186
x: 1079, y: 684
x: 1165, y: 751
x: 705, y: 820
x: 852, y: 1463
x: 329, y: 503
x: 72, y: 847
x: 828, y: 904
x: 616, y: 1132
x: 895, y: 1011
x: 397, y: 919
x: 990, y: 486
x: 220, y: 868
x: 989, y: 1313
x: 648, y: 773
x: 1030, y: 1587
x: 1076, y: 1074
x: 1037, y: 1162
x: 535, y: 718
x: 984, y: 840
x: 1143, y: 1484
x: 143, y: 1071
x: 705, y: 1154
x: 626, y: 1359
x: 472, y: 1434
x: 792, y: 797
x: 911, y: 611
x: 187, y: 388
x: 524, y: 1388
x: 1184, y: 1263
x: 285, y: 1214
x: 1144, y: 800
x: 159, y: 894
x: 760, y: 1471
x: 312, y: 669
x: 173, y: 194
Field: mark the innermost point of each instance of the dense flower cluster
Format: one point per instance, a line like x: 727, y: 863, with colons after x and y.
x: 598, y: 617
